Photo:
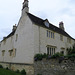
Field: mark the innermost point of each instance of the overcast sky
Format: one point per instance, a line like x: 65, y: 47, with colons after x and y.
x: 54, y: 10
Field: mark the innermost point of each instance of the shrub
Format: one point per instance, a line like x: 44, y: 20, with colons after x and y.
x: 39, y: 74
x: 71, y: 50
x: 7, y: 68
x: 70, y: 56
x: 17, y: 71
x: 38, y: 57
x: 1, y: 66
x: 56, y: 55
x: 23, y: 72
x: 44, y: 55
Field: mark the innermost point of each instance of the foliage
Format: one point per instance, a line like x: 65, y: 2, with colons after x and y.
x: 7, y: 68
x: 7, y: 72
x: 39, y: 74
x: 41, y: 56
x: 17, y: 71
x: 56, y: 55
x: 44, y: 55
x: 1, y: 66
x: 71, y: 50
x: 38, y: 57
x: 23, y: 72
x: 70, y: 56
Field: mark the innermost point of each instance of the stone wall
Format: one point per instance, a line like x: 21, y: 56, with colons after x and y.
x: 53, y: 67
x: 29, y: 68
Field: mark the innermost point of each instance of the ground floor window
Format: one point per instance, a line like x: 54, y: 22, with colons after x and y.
x: 50, y: 50
x: 62, y: 52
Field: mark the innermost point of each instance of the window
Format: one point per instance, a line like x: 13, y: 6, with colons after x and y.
x: 54, y: 50
x: 50, y: 50
x: 62, y: 52
x: 47, y: 33
x: 68, y: 40
x: 10, y: 52
x: 46, y: 24
x: 53, y: 35
x: 16, y: 37
x: 3, y: 52
x: 61, y: 37
x: 50, y: 34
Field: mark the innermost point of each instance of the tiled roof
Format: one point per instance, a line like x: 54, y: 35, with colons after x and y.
x: 40, y: 22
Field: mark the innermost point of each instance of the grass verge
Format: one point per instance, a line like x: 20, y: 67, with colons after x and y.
x: 7, y: 72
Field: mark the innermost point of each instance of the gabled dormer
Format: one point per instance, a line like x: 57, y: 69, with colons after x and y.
x: 46, y: 22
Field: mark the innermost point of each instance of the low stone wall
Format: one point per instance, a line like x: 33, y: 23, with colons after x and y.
x: 53, y: 67
x: 45, y: 67
x: 29, y: 68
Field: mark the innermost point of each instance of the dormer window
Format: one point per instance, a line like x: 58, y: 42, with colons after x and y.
x: 46, y: 23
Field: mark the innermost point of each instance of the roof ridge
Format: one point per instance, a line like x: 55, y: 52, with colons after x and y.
x: 40, y: 22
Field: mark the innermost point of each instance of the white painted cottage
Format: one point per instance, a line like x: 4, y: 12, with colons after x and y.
x: 32, y: 35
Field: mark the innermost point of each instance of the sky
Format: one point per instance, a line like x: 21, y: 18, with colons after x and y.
x: 53, y: 10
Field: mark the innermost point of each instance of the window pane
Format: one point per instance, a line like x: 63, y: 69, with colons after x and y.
x: 48, y: 50
x: 51, y: 34
x: 52, y: 51
x: 47, y: 33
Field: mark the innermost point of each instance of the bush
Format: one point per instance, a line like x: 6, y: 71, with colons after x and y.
x: 44, y: 55
x: 38, y: 57
x: 70, y: 56
x: 1, y: 66
x: 17, y: 71
x: 71, y: 50
x: 39, y: 74
x: 23, y: 72
x: 7, y: 68
x: 56, y: 55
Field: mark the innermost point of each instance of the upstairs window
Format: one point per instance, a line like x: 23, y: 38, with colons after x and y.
x: 46, y: 22
x: 53, y: 35
x: 3, y: 52
x: 47, y: 33
x: 61, y: 37
x: 10, y: 52
x: 50, y: 34
x: 68, y: 40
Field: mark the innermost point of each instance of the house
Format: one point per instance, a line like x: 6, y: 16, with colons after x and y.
x: 32, y: 35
